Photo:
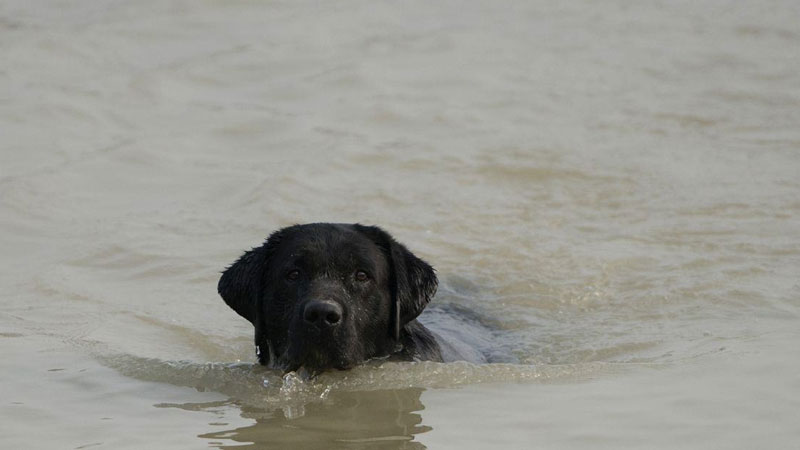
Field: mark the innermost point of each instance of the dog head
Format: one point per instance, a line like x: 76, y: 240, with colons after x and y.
x: 325, y: 296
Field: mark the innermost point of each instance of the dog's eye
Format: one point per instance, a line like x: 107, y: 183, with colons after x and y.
x: 362, y: 276
x: 293, y: 275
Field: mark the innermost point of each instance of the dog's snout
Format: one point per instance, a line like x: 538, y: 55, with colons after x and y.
x: 323, y: 314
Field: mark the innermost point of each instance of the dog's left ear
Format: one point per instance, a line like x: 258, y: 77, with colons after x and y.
x: 413, y: 280
x: 242, y: 286
x: 240, y: 283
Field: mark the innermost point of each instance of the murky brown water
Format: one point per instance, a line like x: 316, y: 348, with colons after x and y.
x: 609, y: 191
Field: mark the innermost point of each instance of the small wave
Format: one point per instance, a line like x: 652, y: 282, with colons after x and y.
x: 261, y: 387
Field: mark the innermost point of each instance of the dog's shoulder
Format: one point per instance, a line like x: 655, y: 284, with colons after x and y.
x: 421, y: 344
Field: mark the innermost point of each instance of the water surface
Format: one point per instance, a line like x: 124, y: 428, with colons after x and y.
x: 610, y: 193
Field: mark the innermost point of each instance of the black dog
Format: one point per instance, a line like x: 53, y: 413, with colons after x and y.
x: 324, y: 296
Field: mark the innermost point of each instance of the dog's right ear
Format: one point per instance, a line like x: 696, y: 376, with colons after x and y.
x: 240, y: 284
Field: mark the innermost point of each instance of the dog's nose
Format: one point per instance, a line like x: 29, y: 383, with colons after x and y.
x: 323, y: 314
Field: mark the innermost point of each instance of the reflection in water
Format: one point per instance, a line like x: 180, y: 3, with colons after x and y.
x: 383, y: 419
x: 358, y: 408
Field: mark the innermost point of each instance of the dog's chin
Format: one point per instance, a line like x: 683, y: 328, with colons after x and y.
x: 315, y: 360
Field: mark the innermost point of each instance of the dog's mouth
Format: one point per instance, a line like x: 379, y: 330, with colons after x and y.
x: 317, y: 350
x: 312, y: 370
x: 314, y: 358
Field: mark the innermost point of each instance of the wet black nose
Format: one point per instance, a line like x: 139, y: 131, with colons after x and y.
x: 323, y: 314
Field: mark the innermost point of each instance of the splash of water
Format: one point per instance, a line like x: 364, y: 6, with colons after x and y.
x: 254, y: 385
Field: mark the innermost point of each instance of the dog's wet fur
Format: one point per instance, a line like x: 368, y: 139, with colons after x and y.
x: 331, y: 296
